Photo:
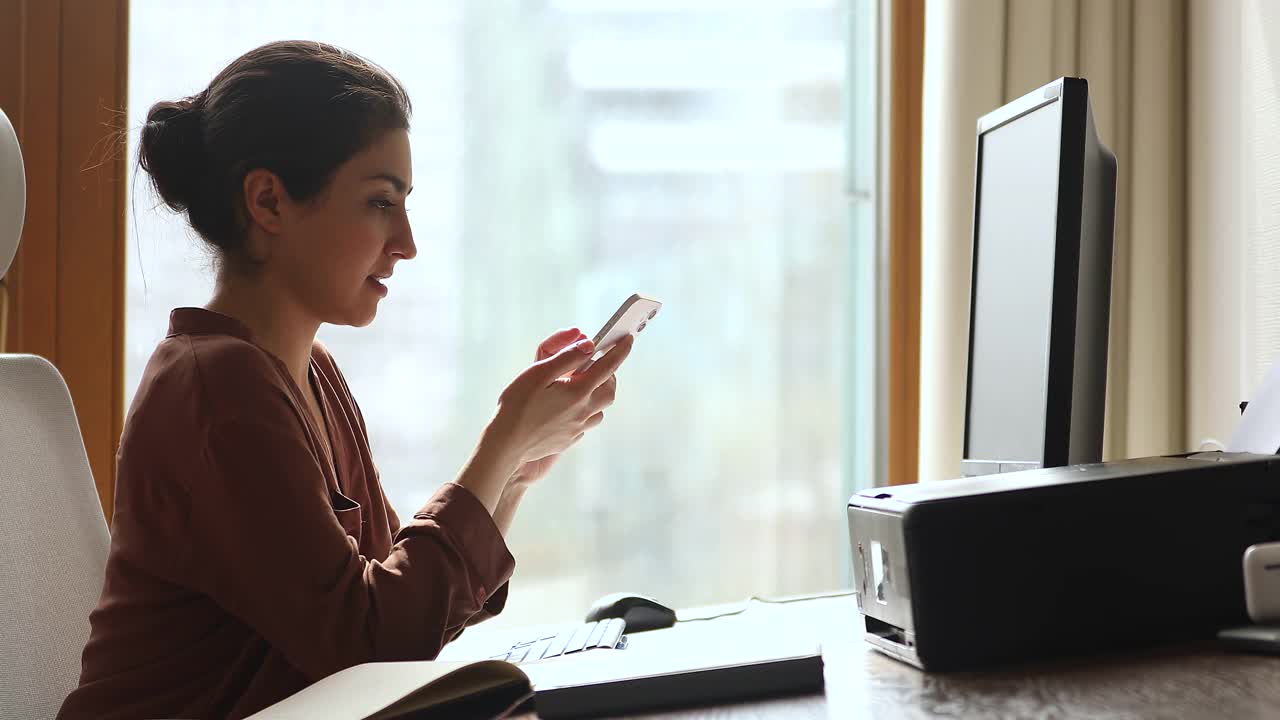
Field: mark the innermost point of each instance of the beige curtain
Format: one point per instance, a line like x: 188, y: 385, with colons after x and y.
x: 980, y: 54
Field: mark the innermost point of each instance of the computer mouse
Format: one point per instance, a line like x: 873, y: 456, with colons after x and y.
x: 640, y: 613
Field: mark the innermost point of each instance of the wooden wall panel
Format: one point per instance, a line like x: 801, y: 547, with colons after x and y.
x: 64, y: 87
x: 11, y: 34
x: 32, y: 284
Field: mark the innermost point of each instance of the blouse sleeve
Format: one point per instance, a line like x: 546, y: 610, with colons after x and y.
x: 266, y: 544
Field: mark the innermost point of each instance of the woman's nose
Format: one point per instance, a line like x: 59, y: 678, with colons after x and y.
x: 402, y: 245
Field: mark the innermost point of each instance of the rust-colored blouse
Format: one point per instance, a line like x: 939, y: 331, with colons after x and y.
x: 253, y: 553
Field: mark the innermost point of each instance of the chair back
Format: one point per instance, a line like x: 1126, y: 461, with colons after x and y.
x: 53, y: 537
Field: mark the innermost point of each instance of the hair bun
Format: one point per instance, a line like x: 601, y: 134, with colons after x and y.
x: 172, y: 150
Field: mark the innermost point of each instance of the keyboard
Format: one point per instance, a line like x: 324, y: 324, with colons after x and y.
x: 606, y: 634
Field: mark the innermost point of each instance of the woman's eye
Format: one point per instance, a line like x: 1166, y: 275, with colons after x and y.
x: 382, y: 204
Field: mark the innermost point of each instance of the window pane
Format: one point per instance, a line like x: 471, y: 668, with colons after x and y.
x: 566, y: 155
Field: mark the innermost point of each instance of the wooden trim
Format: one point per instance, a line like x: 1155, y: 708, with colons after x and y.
x: 64, y: 86
x: 33, y: 107
x: 906, y: 89
x: 10, y: 90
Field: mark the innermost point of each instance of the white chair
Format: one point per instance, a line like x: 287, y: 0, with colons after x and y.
x: 54, y: 537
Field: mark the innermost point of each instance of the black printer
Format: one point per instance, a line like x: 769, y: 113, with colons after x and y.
x: 969, y: 573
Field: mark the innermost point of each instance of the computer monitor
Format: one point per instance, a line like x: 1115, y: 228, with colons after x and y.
x: 1044, y: 210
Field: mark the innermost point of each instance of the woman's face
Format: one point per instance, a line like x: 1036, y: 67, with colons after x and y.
x: 335, y: 252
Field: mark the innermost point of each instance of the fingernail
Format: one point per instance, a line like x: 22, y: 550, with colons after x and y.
x: 584, y: 346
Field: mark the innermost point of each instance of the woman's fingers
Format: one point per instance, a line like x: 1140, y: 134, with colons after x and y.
x: 562, y: 363
x: 604, y: 395
x: 550, y: 405
x: 604, y: 368
x: 557, y: 341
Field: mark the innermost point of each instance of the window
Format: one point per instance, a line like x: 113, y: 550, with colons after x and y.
x: 566, y: 154
x: 1260, y: 113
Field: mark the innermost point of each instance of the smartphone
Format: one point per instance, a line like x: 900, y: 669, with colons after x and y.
x: 632, y: 317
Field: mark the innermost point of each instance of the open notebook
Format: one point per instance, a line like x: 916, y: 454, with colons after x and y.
x: 403, y: 690
x: 584, y: 685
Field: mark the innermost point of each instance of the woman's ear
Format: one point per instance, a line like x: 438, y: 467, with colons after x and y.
x: 263, y: 195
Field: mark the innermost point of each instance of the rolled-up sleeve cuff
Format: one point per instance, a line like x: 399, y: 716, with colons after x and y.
x: 497, y: 600
x: 464, y: 519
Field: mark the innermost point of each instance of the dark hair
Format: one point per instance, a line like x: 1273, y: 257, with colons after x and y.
x: 299, y: 109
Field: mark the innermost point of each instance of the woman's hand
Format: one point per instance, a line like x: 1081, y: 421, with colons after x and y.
x: 534, y: 470
x: 549, y: 407
x: 543, y: 412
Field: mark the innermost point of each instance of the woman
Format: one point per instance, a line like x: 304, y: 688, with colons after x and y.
x: 253, y: 551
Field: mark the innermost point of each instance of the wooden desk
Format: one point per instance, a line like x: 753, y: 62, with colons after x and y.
x: 1182, y: 682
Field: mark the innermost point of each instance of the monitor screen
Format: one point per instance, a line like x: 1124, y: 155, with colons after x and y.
x: 1013, y: 291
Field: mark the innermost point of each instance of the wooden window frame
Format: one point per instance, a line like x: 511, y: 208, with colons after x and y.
x: 906, y: 100
x: 63, y: 83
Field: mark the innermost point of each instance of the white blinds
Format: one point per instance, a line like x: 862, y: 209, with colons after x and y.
x: 1261, y: 119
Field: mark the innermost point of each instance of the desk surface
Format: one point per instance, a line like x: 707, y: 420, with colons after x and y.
x: 1183, y: 682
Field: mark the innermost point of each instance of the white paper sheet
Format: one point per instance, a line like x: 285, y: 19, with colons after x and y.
x: 1259, y: 428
